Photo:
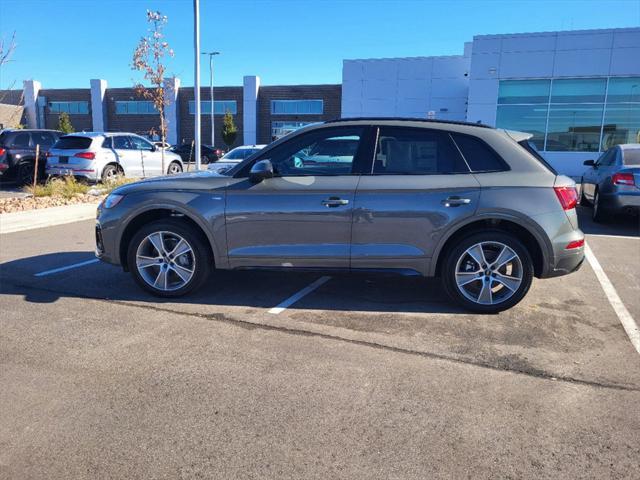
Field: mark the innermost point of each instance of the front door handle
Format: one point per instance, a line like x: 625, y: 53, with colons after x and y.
x: 334, y: 202
x: 455, y: 201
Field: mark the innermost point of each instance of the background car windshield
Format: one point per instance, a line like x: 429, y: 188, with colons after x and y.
x: 73, y: 143
x: 632, y: 157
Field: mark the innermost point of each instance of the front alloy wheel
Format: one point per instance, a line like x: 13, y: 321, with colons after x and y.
x: 488, y: 272
x: 168, y: 258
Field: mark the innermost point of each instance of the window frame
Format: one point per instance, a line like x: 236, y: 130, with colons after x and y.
x: 67, y: 110
x: 191, y: 107
x: 29, y: 143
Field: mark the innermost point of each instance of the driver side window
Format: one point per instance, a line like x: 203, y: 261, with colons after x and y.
x: 322, y: 152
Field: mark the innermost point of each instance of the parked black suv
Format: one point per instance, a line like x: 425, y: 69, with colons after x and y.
x: 209, y: 154
x: 18, y: 153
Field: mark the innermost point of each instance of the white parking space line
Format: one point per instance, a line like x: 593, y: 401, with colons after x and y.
x: 282, y: 306
x: 629, y: 324
x: 624, y: 237
x: 67, y: 267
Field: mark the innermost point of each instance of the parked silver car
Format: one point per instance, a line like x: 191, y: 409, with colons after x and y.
x: 471, y: 204
x: 612, y: 183
x: 100, y: 156
x: 233, y: 157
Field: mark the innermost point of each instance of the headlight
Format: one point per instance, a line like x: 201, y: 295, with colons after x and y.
x: 112, y: 200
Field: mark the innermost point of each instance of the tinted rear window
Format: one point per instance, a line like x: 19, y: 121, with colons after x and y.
x: 44, y: 139
x: 73, y: 143
x: 631, y: 157
x: 478, y: 155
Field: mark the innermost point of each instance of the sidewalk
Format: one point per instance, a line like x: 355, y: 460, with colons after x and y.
x: 46, y: 217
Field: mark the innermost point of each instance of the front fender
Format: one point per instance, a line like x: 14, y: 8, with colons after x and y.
x: 206, y: 209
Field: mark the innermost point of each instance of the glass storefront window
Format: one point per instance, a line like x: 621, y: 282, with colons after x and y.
x: 624, y: 90
x: 523, y: 91
x: 578, y: 90
x: 621, y: 124
x: 574, y: 128
x: 524, y: 118
x: 220, y: 107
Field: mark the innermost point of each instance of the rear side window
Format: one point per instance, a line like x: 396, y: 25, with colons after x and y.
x: 416, y: 151
x: 631, y: 157
x: 107, y: 143
x: 20, y: 140
x: 44, y: 139
x: 478, y: 155
x: 73, y: 143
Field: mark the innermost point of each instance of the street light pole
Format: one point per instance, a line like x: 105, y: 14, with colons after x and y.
x: 196, y: 80
x: 212, y: 112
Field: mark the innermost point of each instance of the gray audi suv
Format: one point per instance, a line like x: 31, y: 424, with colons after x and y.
x: 473, y: 205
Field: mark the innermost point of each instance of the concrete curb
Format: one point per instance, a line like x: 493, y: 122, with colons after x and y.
x: 46, y: 217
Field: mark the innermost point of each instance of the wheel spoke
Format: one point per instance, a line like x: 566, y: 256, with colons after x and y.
x: 180, y: 249
x: 184, y: 273
x: 145, y: 262
x: 505, y: 256
x: 161, y: 279
x: 477, y: 254
x: 486, y: 295
x: 157, y: 241
x: 464, y: 278
x: 512, y: 283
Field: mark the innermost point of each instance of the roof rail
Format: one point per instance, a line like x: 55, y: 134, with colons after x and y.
x: 409, y: 119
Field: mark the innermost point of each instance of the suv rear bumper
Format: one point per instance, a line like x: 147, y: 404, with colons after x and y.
x: 566, y: 264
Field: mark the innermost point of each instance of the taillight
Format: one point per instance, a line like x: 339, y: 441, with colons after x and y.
x: 568, y: 197
x: 575, y: 244
x: 87, y: 155
x: 623, y: 179
x: 2, y: 150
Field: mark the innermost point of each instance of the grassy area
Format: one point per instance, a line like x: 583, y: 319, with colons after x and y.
x: 69, y: 187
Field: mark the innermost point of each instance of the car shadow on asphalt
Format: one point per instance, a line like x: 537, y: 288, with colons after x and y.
x: 616, y: 225
x: 257, y: 289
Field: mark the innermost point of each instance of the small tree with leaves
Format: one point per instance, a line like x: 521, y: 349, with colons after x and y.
x: 148, y: 57
x: 229, y: 130
x: 64, y: 123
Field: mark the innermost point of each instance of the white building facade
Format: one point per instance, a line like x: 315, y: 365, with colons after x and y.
x: 578, y: 92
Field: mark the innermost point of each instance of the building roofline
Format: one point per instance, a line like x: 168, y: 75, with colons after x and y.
x: 555, y: 32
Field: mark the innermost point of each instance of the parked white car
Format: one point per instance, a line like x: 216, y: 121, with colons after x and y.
x: 234, y: 157
x: 98, y: 156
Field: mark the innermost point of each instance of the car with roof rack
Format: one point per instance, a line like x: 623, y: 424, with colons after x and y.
x: 473, y: 205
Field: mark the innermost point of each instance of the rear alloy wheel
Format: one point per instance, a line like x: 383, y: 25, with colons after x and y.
x: 168, y: 258
x: 488, y: 272
x: 110, y: 173
x: 174, y: 168
x: 25, y: 173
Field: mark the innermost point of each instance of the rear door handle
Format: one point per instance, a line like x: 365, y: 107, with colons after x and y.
x: 455, y: 201
x: 334, y: 202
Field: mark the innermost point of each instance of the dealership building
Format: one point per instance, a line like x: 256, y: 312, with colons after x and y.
x: 577, y: 92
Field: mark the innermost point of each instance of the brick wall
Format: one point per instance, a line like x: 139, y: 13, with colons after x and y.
x: 330, y: 94
x: 187, y: 120
x: 140, y: 124
x: 79, y: 121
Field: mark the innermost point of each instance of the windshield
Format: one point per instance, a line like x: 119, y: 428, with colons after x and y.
x: 631, y: 157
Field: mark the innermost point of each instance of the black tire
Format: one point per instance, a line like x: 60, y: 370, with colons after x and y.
x: 110, y: 172
x: 174, y: 168
x: 457, y: 252
x: 24, y: 174
x: 202, y: 259
x: 597, y: 214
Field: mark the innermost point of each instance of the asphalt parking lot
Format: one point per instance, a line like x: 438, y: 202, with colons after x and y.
x: 361, y: 377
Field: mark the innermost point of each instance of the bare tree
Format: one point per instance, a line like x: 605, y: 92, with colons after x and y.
x: 148, y: 57
x: 6, y: 51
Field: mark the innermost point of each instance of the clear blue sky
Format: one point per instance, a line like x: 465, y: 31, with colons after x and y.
x: 64, y: 43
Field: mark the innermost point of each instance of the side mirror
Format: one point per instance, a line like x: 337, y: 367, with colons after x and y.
x: 261, y: 171
x: 589, y: 163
